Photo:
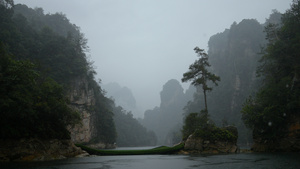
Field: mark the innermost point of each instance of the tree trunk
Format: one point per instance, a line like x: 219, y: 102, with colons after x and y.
x: 204, y: 91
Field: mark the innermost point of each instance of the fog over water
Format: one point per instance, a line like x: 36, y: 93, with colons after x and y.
x: 142, y: 44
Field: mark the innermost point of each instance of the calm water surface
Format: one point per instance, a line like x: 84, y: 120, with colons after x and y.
x: 247, y: 160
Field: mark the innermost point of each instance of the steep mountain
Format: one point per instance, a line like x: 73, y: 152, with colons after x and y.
x: 56, y: 51
x: 130, y: 132
x: 121, y: 95
x: 273, y: 111
x: 236, y: 64
x: 234, y: 55
x: 166, y: 120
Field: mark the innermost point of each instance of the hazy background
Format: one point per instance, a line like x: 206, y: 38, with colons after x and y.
x: 142, y: 44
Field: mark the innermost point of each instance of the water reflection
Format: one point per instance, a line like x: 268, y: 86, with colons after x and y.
x: 250, y: 160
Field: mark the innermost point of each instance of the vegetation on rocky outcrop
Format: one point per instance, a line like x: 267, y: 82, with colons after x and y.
x: 272, y: 111
x: 217, y: 140
x: 233, y: 55
x: 201, y: 135
x: 238, y: 55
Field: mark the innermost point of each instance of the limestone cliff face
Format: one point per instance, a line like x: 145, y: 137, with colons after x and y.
x: 81, y: 98
x: 234, y: 57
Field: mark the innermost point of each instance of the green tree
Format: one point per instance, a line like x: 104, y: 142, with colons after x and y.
x: 193, y: 122
x: 58, y: 50
x: 31, y: 105
x: 199, y: 74
x: 7, y: 3
x: 278, y: 100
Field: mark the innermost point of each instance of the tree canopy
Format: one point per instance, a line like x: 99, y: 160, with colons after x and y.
x: 278, y: 99
x: 31, y: 105
x: 199, y: 74
x: 41, y: 56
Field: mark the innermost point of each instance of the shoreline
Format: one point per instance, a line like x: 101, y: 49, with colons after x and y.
x: 34, y: 149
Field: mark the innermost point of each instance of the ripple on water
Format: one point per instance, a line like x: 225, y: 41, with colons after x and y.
x: 245, y: 160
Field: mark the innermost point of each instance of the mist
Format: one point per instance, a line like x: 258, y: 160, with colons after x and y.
x: 143, y: 44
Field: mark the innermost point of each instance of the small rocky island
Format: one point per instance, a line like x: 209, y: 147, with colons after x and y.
x: 224, y: 141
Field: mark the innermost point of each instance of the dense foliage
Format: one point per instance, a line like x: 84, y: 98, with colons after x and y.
x: 32, y: 97
x: 31, y: 105
x: 42, y: 39
x: 192, y: 123
x: 278, y: 99
x: 201, y: 126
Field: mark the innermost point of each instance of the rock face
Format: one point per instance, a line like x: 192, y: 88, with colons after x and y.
x: 196, y: 145
x: 37, y: 150
x: 166, y: 119
x: 81, y: 97
x: 123, y: 96
x: 289, y: 143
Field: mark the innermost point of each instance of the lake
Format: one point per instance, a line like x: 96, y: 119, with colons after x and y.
x: 243, y: 160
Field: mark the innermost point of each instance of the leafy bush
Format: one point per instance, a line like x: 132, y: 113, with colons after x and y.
x: 200, y: 125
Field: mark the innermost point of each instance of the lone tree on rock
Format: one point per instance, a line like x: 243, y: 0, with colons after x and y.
x: 199, y: 75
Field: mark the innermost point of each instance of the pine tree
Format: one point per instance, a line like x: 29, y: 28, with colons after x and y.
x: 199, y: 74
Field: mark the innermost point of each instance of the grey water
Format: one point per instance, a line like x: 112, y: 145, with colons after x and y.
x: 230, y: 161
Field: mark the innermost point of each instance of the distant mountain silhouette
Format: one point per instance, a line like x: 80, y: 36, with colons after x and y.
x: 121, y: 95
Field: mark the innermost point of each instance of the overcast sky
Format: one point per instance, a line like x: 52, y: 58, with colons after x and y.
x: 142, y: 44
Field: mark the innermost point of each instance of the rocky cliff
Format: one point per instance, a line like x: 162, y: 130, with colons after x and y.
x: 234, y: 57
x: 166, y: 119
x: 81, y: 98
